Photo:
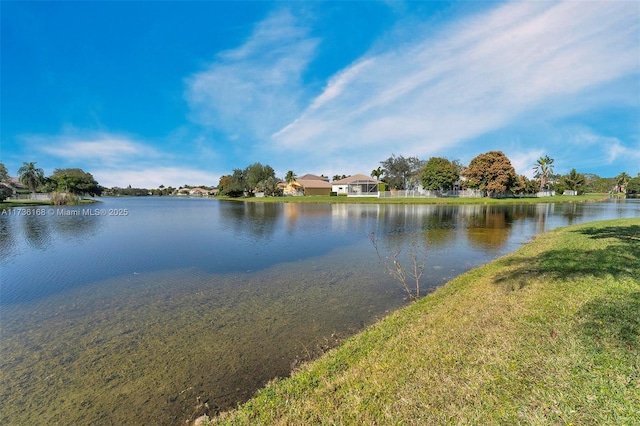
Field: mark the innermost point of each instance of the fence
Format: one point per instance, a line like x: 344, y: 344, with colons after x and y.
x: 34, y: 197
x: 467, y: 193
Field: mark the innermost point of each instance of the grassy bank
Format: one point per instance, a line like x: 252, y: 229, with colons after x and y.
x: 547, y: 335
x: 33, y: 203
x: 375, y: 200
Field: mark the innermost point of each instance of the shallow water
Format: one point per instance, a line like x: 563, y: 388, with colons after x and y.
x: 187, y: 306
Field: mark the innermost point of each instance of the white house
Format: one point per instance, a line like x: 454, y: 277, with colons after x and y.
x: 356, y: 186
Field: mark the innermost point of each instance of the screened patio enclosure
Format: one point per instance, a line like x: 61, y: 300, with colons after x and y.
x: 362, y: 188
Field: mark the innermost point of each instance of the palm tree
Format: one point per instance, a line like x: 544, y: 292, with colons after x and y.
x: 543, y: 169
x: 290, y: 177
x: 30, y: 175
x: 621, y: 182
x: 376, y: 173
x: 574, y: 181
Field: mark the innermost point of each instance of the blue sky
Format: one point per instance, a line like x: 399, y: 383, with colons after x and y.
x: 174, y: 93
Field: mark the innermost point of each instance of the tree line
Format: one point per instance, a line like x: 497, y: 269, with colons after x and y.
x: 490, y: 172
x: 66, y: 185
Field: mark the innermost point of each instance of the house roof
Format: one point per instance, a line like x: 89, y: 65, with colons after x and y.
x: 313, y: 183
x: 358, y: 177
x: 312, y: 177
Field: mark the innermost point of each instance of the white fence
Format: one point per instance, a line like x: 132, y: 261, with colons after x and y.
x: 35, y: 197
x: 467, y: 193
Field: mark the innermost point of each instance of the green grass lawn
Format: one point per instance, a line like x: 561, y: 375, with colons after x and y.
x: 547, y: 335
x: 375, y: 200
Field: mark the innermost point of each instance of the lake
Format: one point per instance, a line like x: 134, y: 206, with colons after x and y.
x: 156, y: 310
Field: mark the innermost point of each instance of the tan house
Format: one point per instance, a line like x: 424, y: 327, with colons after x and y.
x: 308, y: 185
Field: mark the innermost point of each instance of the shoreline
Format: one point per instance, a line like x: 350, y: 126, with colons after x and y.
x: 548, y: 333
x: 316, y: 199
x: 36, y: 203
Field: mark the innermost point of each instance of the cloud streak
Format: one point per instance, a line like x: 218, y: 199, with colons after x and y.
x: 476, y: 76
x: 254, y: 89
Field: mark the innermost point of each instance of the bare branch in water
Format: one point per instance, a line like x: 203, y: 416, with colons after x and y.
x: 393, y: 267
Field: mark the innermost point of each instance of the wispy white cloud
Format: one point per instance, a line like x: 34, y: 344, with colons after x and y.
x: 256, y: 88
x: 478, y: 75
x: 122, y: 160
x: 94, y: 147
x: 153, y: 177
x: 606, y: 149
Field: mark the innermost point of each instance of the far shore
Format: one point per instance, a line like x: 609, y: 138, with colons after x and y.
x: 422, y: 200
x: 325, y: 199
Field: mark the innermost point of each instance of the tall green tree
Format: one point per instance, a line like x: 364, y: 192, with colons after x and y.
x: 233, y: 185
x: 31, y: 176
x: 269, y: 185
x: 491, y: 172
x: 439, y: 173
x: 75, y: 181
x: 256, y: 173
x: 543, y: 170
x: 633, y: 187
x: 4, y: 173
x: 400, y: 172
x: 290, y: 177
x: 5, y: 190
x: 376, y: 173
x: 621, y: 182
x: 574, y: 181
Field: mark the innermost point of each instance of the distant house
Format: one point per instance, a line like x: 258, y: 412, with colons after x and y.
x: 356, y: 186
x: 308, y: 185
x: 198, y: 192
x: 193, y: 192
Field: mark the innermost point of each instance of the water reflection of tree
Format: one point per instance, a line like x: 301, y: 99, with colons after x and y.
x: 489, y: 228
x: 256, y: 220
x: 572, y: 212
x: 79, y: 227
x: 438, y: 227
x: 36, y: 231
x: 7, y: 239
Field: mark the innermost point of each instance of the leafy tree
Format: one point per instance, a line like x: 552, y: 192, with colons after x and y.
x: 574, y: 181
x: 290, y: 177
x: 75, y: 181
x: 269, y: 186
x: 255, y: 174
x: 524, y: 185
x: 400, y: 172
x: 633, y: 187
x: 4, y: 174
x: 5, y: 191
x: 595, y: 183
x: 491, y: 172
x: 621, y: 182
x: 543, y: 171
x: 439, y: 173
x: 233, y: 185
x: 31, y: 176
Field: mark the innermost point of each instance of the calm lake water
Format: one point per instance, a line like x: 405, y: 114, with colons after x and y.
x: 157, y: 310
